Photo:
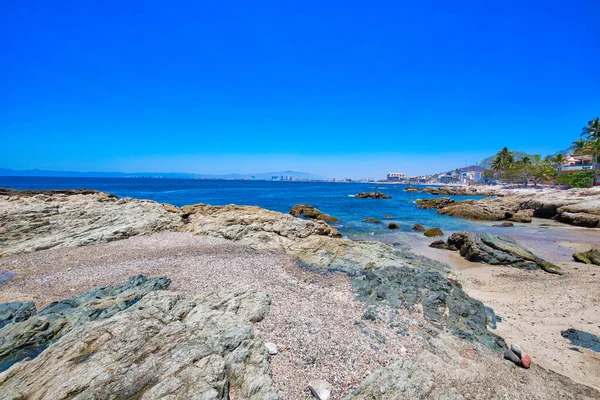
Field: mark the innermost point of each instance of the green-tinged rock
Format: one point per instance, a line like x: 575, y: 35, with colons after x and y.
x: 589, y: 257
x: 433, y: 232
x: 168, y: 346
x: 27, y: 333
x: 442, y: 300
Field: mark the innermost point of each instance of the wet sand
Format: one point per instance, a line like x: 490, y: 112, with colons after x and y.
x: 536, y: 306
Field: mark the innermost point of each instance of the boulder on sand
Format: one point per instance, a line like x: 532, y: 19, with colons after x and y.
x: 372, y: 195
x: 498, y: 250
x: 311, y: 212
x: 588, y: 257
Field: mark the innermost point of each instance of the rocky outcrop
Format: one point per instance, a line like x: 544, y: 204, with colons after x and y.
x: 26, y: 333
x: 167, y: 345
x: 506, y: 208
x: 442, y: 301
x: 579, y: 207
x: 411, y: 189
x: 372, y: 195
x: 315, y: 244
x: 464, y: 191
x: 311, y: 212
x: 38, y: 220
x: 588, y: 257
x: 448, y: 368
x: 435, y: 203
x: 255, y: 226
x: 497, y: 250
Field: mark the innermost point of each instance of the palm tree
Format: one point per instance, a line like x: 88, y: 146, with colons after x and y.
x: 559, y: 159
x: 592, y: 129
x: 593, y: 147
x: 579, y: 147
x: 543, y: 173
x: 526, y: 160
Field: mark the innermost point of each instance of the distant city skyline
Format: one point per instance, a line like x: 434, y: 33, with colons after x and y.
x: 339, y: 90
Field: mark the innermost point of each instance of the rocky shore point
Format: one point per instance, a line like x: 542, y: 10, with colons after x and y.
x: 137, y: 339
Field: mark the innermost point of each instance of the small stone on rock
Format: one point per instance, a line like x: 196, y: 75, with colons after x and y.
x: 517, y: 350
x: 271, y: 348
x: 320, y: 389
x: 526, y: 361
x: 510, y: 355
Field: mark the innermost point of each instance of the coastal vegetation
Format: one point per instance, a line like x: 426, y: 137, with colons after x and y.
x: 522, y: 168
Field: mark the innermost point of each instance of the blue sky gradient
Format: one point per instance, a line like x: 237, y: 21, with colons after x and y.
x: 336, y: 88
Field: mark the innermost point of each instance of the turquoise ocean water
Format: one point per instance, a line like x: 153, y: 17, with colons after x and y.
x: 329, y: 197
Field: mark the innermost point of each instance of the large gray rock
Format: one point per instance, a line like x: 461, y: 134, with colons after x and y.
x: 38, y: 220
x: 449, y: 368
x: 498, y: 250
x: 442, y: 301
x: 26, y: 333
x: 167, y: 346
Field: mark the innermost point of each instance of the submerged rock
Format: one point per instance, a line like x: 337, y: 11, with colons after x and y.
x: 418, y: 228
x: 26, y: 333
x: 505, y: 225
x: 498, y: 250
x: 372, y: 195
x: 372, y: 220
x: 393, y: 225
x: 434, y: 203
x: 311, y: 212
x: 588, y: 257
x: 166, y: 346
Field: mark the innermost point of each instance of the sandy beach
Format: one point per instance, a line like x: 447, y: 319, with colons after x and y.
x: 535, y: 306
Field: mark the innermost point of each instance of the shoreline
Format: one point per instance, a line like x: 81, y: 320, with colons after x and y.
x: 215, y: 248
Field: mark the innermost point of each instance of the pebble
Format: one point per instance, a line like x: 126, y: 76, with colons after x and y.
x: 271, y: 348
x: 320, y: 389
x: 526, y: 361
x: 517, y: 350
x: 510, y: 355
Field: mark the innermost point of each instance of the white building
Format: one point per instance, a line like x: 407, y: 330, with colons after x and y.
x: 396, y: 176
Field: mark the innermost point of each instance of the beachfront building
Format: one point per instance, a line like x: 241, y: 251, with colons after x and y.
x: 396, y: 177
x: 577, y: 163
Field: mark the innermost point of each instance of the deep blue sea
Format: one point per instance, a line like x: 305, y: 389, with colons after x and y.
x: 332, y: 198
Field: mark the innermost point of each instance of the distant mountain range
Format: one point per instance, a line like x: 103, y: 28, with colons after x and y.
x: 165, y: 175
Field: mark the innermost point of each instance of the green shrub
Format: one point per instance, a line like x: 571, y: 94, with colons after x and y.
x: 583, y: 179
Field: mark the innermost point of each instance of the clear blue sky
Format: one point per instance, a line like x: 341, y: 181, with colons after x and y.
x: 330, y: 87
